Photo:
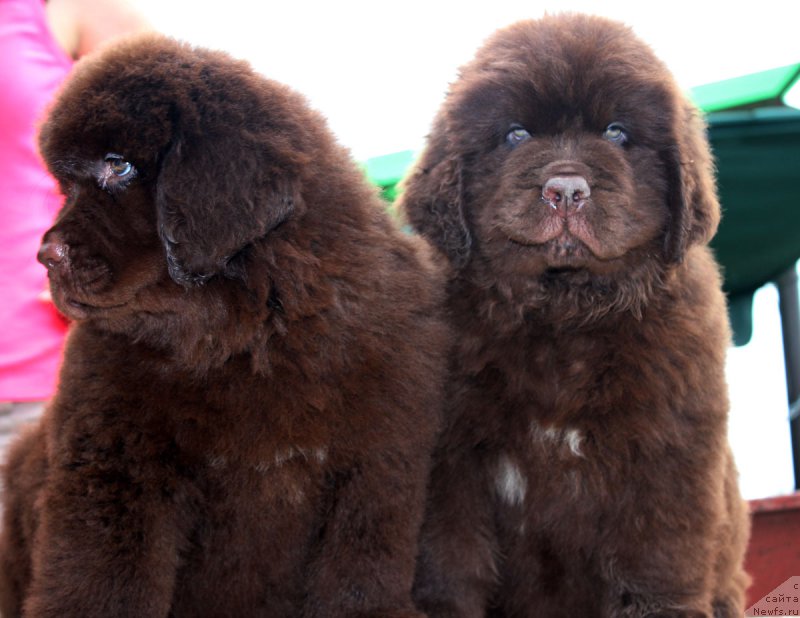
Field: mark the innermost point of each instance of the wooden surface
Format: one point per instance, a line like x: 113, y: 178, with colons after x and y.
x: 774, y: 552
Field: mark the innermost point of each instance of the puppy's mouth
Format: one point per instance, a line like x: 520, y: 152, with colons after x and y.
x: 564, y: 253
x: 76, y: 309
x: 559, y: 271
x: 568, y: 241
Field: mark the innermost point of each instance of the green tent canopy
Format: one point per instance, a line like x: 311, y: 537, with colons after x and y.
x: 758, y: 172
x: 756, y: 141
x: 764, y: 89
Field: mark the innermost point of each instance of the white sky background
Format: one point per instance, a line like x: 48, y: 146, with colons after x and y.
x: 379, y: 70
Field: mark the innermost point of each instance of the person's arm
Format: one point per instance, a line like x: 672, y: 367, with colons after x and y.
x: 81, y: 26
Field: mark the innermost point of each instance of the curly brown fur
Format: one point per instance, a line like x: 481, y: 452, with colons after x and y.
x: 251, y: 387
x: 584, y: 468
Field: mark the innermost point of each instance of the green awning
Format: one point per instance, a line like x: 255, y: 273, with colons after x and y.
x: 758, y: 174
x: 386, y: 171
x: 764, y: 89
x: 755, y: 137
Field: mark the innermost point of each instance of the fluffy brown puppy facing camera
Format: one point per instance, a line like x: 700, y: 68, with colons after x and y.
x: 584, y: 468
x: 251, y: 387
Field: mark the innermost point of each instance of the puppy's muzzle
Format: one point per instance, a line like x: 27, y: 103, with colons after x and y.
x: 54, y: 253
x: 566, y: 194
x: 70, y: 266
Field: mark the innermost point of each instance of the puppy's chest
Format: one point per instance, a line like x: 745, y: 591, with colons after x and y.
x: 543, y: 460
x: 254, y: 449
x: 562, y: 437
x: 556, y: 388
x: 288, y: 476
x: 270, y: 508
x: 558, y: 479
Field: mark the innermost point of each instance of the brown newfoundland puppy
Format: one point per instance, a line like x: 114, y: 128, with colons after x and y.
x: 584, y: 469
x: 250, y: 389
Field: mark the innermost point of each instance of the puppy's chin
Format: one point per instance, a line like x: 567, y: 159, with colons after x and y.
x: 78, y: 307
x: 68, y: 306
x: 76, y: 304
x: 563, y: 255
x: 562, y: 282
x: 118, y: 295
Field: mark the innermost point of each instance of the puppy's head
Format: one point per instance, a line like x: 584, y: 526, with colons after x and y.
x: 173, y: 162
x: 564, y: 153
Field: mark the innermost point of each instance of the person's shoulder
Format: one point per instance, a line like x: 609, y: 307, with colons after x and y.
x: 81, y: 26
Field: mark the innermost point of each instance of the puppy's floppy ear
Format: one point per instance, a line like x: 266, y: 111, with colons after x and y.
x: 433, y: 199
x: 215, y: 195
x: 693, y: 203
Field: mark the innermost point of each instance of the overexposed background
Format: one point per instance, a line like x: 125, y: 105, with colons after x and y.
x: 379, y: 70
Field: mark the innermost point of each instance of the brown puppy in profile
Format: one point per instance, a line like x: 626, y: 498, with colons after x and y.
x: 251, y: 387
x: 584, y: 468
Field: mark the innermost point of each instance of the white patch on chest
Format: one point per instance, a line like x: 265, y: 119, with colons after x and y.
x: 218, y: 462
x: 569, y: 440
x: 573, y: 439
x: 316, y: 455
x: 510, y: 483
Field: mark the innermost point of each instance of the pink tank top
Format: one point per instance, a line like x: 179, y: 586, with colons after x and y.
x: 32, y: 66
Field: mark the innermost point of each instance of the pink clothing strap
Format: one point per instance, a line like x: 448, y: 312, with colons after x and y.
x: 31, y: 331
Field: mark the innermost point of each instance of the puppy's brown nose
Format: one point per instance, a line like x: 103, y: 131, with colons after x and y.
x: 52, y: 253
x: 566, y: 193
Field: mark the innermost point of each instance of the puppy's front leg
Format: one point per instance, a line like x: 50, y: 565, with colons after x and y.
x: 23, y: 476
x: 106, y: 546
x: 457, y: 571
x: 365, y: 565
x: 663, y: 559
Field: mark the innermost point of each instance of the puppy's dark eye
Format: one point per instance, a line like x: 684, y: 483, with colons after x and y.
x: 119, y: 166
x: 517, y: 135
x: 615, y: 133
x: 115, y: 173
